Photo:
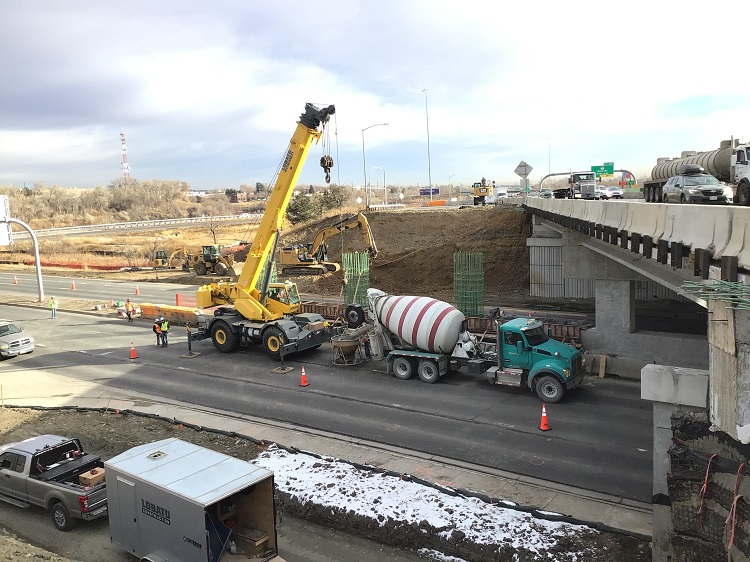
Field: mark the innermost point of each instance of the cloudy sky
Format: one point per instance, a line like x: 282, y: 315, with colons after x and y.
x: 209, y: 92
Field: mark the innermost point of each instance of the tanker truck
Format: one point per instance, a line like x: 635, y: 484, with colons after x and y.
x: 728, y: 163
x: 428, y: 337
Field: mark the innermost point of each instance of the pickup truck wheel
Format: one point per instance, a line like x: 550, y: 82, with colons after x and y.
x: 428, y: 371
x: 224, y: 338
x: 402, y: 368
x: 273, y: 340
x: 549, y: 389
x: 665, y: 198
x: 61, y: 517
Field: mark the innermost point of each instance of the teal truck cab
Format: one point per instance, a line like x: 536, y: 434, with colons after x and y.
x: 528, y: 357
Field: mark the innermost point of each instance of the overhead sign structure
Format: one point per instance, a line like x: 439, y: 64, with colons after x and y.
x: 426, y: 191
x: 523, y: 169
x: 6, y: 234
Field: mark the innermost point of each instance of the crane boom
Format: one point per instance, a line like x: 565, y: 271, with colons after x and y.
x: 243, y: 294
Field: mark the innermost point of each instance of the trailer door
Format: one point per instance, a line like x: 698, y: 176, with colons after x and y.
x: 128, y: 515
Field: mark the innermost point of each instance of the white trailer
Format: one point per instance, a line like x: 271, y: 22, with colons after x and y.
x: 172, y: 501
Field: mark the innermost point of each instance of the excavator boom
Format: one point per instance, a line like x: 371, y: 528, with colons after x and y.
x: 312, y: 259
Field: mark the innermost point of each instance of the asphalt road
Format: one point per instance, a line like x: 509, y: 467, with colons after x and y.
x: 91, y: 289
x: 600, y: 439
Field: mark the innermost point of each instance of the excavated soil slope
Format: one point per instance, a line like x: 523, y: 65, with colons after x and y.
x: 416, y: 251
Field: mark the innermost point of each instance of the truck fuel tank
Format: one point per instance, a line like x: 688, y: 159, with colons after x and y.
x: 423, y: 322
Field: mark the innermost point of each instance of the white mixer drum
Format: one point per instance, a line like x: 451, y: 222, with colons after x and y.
x: 423, y: 322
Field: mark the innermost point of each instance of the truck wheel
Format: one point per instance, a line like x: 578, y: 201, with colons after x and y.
x: 549, y: 389
x: 428, y: 371
x: 402, y: 368
x: 61, y: 518
x: 649, y: 195
x: 220, y: 269
x: 743, y: 194
x: 273, y: 340
x: 201, y: 269
x: 355, y: 316
x: 223, y: 336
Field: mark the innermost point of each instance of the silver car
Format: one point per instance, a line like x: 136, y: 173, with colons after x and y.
x: 12, y: 340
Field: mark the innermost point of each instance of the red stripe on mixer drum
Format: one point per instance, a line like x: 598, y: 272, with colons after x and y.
x: 403, y: 316
x: 435, y: 327
x: 390, y: 310
x: 418, y: 320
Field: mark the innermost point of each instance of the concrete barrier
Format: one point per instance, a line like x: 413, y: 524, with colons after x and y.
x: 645, y: 219
x: 740, y: 231
x: 614, y: 216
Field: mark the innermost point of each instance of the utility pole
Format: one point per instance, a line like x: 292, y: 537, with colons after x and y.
x: 429, y: 163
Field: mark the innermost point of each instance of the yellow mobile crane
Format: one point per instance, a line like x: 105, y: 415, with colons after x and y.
x: 312, y: 258
x: 268, y: 315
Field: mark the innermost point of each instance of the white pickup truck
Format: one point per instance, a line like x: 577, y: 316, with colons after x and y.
x: 55, y: 473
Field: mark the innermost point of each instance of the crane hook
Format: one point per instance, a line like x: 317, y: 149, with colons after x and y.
x: 326, y: 162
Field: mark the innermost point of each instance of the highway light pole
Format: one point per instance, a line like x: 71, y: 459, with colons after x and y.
x: 549, y: 157
x: 429, y: 164
x: 450, y: 186
x: 364, y: 165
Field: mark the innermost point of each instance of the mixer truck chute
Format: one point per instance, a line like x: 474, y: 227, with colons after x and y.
x: 728, y: 163
x: 427, y: 337
x: 268, y: 315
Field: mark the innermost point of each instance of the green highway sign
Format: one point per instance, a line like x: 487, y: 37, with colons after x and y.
x: 608, y: 169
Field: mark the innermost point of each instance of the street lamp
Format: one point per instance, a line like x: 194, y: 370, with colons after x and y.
x: 429, y: 164
x: 385, y: 187
x: 364, y: 165
x: 450, y: 186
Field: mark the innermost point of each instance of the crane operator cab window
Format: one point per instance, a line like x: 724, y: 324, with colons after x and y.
x: 287, y: 294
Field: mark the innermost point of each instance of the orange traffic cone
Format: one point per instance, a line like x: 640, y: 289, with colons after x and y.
x: 303, y: 381
x: 15, y: 280
x: 133, y: 354
x: 73, y: 286
x: 137, y: 290
x: 544, y: 425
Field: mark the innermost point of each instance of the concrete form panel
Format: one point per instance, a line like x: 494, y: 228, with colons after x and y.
x: 723, y: 391
x: 579, y: 288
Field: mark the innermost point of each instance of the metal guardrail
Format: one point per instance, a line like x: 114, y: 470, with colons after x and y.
x: 132, y: 225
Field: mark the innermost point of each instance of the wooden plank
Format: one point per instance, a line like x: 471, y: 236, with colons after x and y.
x: 602, y: 365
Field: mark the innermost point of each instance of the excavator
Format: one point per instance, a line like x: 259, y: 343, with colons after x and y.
x: 312, y: 258
x: 161, y: 261
x: 252, y: 309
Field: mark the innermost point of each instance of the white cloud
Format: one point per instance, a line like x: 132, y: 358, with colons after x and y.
x: 213, y: 82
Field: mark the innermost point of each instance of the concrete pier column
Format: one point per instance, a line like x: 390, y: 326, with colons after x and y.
x: 615, y: 305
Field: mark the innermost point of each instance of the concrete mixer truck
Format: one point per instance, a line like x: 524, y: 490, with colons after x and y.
x: 728, y: 163
x: 429, y: 337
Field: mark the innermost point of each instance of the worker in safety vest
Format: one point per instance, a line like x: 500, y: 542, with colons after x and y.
x: 157, y: 330
x: 129, y: 310
x: 164, y: 332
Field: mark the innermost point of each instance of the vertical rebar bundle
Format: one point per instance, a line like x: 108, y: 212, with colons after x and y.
x: 357, y: 271
x: 468, y: 283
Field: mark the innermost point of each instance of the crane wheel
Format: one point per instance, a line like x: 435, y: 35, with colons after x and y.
x: 355, y: 315
x: 273, y: 340
x: 223, y: 336
x: 220, y: 269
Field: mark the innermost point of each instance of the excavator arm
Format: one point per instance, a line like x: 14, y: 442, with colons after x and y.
x: 355, y: 221
x: 243, y: 293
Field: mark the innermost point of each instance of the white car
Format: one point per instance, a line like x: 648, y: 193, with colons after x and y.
x: 614, y: 192
x: 601, y: 193
x: 12, y: 340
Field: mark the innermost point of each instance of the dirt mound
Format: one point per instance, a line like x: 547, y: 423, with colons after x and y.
x: 415, y: 250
